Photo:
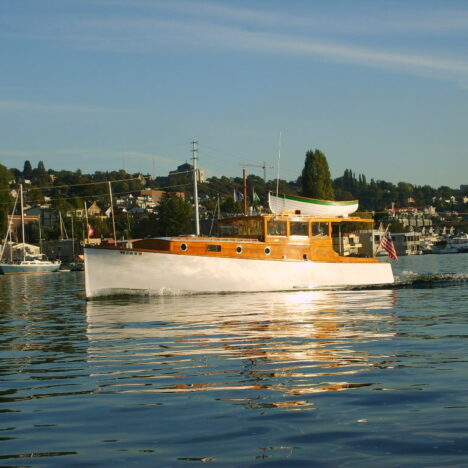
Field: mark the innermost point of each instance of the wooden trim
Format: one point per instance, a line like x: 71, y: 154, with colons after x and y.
x: 318, y: 250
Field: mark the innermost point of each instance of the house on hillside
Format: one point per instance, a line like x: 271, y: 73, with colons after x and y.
x: 94, y: 209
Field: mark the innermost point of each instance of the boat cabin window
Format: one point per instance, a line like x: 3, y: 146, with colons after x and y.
x: 299, y: 228
x: 276, y: 228
x: 251, y: 228
x: 320, y: 229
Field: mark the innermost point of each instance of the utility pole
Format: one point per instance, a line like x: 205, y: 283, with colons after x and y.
x: 195, y: 186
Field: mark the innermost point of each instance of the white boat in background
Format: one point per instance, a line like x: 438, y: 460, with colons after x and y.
x: 459, y: 243
x: 28, y: 262
x: 310, y: 206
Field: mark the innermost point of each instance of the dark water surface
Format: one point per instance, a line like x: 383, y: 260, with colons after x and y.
x: 358, y: 378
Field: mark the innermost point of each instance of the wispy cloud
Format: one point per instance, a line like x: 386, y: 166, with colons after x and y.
x: 354, y: 18
x: 152, y: 26
x: 226, y: 37
x: 32, y: 106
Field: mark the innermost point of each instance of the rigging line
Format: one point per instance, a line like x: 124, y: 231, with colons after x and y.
x: 79, y: 185
x: 105, y: 194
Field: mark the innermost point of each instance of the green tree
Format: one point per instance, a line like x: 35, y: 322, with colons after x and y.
x: 27, y: 170
x: 315, y: 179
x: 173, y: 216
x: 40, y: 176
x: 145, y: 227
x: 35, y: 195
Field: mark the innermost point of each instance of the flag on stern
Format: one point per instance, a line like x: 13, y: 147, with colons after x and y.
x: 91, y: 231
x: 387, y: 244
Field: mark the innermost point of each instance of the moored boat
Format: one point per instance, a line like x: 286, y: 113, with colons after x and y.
x: 27, y: 262
x: 35, y: 264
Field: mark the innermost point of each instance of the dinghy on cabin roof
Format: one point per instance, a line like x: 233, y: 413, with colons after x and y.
x: 311, y: 206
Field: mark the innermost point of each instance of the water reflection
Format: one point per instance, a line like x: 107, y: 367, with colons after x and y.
x: 288, y: 343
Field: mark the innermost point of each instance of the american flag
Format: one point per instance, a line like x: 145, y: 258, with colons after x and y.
x: 387, y: 244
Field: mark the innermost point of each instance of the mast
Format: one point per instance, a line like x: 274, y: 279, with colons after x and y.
x: 278, y: 172
x: 61, y: 225
x: 195, y: 187
x: 87, y: 222
x: 22, y: 221
x: 112, y: 212
x: 73, y: 237
x: 40, y: 234
x: 8, y: 233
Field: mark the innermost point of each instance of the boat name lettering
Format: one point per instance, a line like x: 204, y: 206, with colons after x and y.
x: 127, y: 252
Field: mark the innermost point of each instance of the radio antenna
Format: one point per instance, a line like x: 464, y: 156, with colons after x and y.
x: 278, y: 172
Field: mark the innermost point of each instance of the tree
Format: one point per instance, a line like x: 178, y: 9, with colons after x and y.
x: 173, y: 216
x: 35, y: 195
x: 27, y: 170
x: 40, y: 175
x: 316, y: 181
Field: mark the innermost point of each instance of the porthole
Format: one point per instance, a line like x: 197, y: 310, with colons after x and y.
x: 183, y: 247
x: 239, y: 249
x: 267, y: 251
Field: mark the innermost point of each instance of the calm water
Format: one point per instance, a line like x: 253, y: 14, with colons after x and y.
x: 359, y: 378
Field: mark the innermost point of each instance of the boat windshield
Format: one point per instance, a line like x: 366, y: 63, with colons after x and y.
x: 319, y: 229
x: 299, y: 228
x: 240, y: 228
x: 276, y: 228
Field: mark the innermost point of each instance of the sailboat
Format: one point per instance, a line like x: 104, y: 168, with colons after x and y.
x: 29, y: 262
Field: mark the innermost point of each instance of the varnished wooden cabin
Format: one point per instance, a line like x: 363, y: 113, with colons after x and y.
x: 286, y: 237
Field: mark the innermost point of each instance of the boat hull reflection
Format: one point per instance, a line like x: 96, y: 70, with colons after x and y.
x: 296, y: 343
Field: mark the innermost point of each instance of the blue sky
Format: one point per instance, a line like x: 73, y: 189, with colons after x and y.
x: 381, y: 87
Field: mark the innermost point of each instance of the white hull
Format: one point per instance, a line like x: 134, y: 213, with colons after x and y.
x: 108, y: 272
x: 321, y: 208
x: 28, y: 267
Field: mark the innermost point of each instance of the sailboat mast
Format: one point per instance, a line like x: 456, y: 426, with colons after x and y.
x: 195, y: 187
x: 22, y: 221
x: 61, y: 225
x: 112, y: 212
x: 87, y: 223
x: 8, y: 233
x: 40, y: 234
x: 73, y: 236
